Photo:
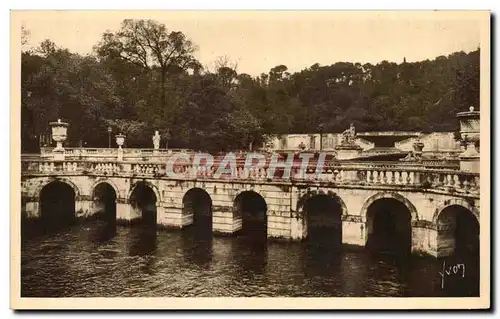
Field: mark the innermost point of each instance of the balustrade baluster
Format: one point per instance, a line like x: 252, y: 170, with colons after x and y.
x: 392, y: 179
x: 410, y: 178
x: 456, y: 182
x: 400, y: 177
x: 403, y: 177
x: 448, y: 180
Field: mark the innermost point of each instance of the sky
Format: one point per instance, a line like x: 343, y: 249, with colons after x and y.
x: 260, y: 40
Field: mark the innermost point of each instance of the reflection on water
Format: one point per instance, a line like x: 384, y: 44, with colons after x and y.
x: 100, y: 259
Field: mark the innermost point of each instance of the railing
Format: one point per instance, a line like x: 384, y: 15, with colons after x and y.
x: 389, y: 174
x: 109, y: 154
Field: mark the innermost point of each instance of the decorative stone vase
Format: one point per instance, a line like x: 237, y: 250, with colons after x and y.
x: 470, y: 134
x: 469, y: 126
x: 120, y: 140
x: 59, y: 135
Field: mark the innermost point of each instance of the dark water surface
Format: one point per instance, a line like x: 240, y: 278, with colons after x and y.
x: 98, y: 259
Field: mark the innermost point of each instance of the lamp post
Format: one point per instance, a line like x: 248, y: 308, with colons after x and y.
x: 321, y: 127
x: 109, y: 136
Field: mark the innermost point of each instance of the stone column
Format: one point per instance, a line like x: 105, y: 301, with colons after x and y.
x: 353, y: 230
x: 225, y: 220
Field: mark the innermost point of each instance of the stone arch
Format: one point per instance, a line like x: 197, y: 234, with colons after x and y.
x: 455, y: 201
x: 247, y: 188
x: 153, y: 187
x: 393, y: 195
x: 57, y: 199
x: 311, y: 193
x: 107, y: 181
x: 322, y: 212
x: 252, y: 209
x: 197, y: 202
x: 61, y: 180
x: 388, y: 219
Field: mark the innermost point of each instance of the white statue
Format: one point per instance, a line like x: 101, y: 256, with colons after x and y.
x: 156, y: 140
x: 349, y: 135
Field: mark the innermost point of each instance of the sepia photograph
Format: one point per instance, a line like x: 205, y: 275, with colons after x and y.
x: 258, y: 158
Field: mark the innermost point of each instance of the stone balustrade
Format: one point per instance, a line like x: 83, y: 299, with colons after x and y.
x: 392, y: 175
x: 107, y: 154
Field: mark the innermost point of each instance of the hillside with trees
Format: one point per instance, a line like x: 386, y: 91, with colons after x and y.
x: 145, y: 77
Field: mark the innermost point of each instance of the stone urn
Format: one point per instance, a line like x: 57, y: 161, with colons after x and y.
x: 470, y: 135
x: 59, y: 135
x: 469, y: 127
x: 120, y: 140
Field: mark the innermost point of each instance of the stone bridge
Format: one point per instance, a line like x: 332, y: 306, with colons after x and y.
x: 429, y: 208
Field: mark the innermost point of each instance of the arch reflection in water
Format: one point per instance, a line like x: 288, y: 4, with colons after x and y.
x: 142, y: 240
x: 197, y: 246
x: 458, y: 243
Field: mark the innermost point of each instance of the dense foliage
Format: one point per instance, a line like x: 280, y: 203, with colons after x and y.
x: 144, y: 78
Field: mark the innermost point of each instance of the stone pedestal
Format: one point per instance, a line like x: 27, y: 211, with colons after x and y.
x: 470, y: 159
x: 347, y: 151
x: 58, y: 154
x: 225, y: 221
x: 120, y: 155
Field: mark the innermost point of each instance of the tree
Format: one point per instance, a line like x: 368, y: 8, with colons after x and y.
x: 148, y: 44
